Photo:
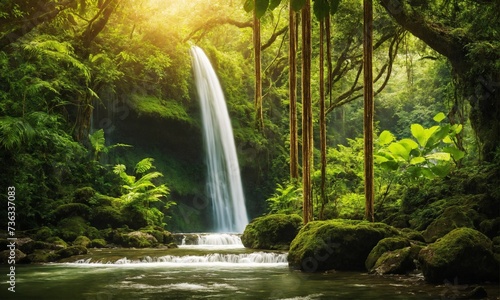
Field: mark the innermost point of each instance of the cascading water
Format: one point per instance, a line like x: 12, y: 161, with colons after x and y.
x: 224, y: 182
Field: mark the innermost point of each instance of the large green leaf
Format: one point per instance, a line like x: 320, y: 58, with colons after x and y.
x: 439, y: 156
x: 97, y: 141
x: 409, y: 144
x: 273, y: 4
x: 417, y: 160
x: 385, y: 138
x: 439, y: 117
x: 399, y: 151
x: 297, y: 4
x: 418, y: 132
x: 321, y: 9
x: 261, y: 7
x: 455, y: 153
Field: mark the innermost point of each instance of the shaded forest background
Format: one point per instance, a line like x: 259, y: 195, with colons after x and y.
x: 71, y: 68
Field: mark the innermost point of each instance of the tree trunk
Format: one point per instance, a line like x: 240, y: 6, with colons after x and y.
x: 292, y: 60
x: 306, y: 113
x: 480, y: 87
x: 368, y: 107
x: 322, y: 119
x: 259, y: 118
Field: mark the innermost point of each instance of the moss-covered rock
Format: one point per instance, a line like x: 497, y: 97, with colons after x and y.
x: 97, y: 243
x: 271, y: 232
x: 84, y: 195
x: 42, y: 256
x: 490, y: 227
x: 7, y: 256
x: 399, y: 261
x: 412, y: 235
x: 32, y: 246
x: 81, y: 241
x: 451, y: 218
x: 106, y: 217
x: 336, y: 244
x: 464, y: 254
x: 383, y: 246
x: 71, y: 228
x: 57, y: 241
x: 43, y: 234
x: 71, y: 251
x: 71, y: 210
x: 136, y: 239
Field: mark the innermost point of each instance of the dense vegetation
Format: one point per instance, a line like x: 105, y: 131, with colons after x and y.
x: 100, y: 127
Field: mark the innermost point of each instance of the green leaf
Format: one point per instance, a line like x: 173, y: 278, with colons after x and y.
x: 409, y: 144
x: 441, y: 170
x: 454, y: 152
x: 334, y: 6
x: 144, y: 165
x: 273, y: 4
x: 385, y: 138
x: 249, y: 5
x: 321, y: 9
x: 399, y: 150
x: 417, y: 160
x: 297, y: 4
x: 439, y: 117
x: 419, y: 133
x: 261, y: 7
x: 97, y: 141
x: 439, y: 156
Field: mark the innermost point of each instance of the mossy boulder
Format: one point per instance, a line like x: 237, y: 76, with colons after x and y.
x: 336, y: 244
x: 32, y: 246
x: 71, y: 228
x: 71, y: 210
x: 412, y: 235
x: 490, y: 227
x: 136, y: 239
x: 383, y: 246
x: 464, y: 255
x: 7, y: 256
x: 106, y: 217
x: 97, y: 243
x: 42, y: 256
x: 81, y: 241
x: 451, y: 218
x: 84, y: 195
x: 43, y: 234
x: 71, y: 251
x: 271, y: 232
x: 57, y: 241
x: 399, y: 261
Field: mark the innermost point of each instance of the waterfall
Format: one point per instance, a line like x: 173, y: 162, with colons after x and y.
x: 223, y: 183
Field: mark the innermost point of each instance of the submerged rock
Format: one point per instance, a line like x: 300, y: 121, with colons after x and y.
x: 271, y: 232
x: 71, y: 251
x: 463, y: 255
x: 336, y: 244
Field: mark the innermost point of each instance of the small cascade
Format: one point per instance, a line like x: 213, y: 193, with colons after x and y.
x: 255, y: 258
x: 209, y: 240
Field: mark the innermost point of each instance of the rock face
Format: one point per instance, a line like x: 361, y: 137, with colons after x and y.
x: 464, y: 255
x: 399, y: 261
x: 271, y: 232
x: 385, y: 245
x: 336, y: 244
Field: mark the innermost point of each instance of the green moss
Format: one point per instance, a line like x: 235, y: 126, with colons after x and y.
x: 32, y: 246
x: 71, y: 210
x: 464, y: 254
x: 336, y: 244
x: 71, y: 251
x: 81, y: 241
x: 452, y: 217
x: 383, y: 246
x: 43, y: 234
x: 84, y: 195
x: 97, y: 243
x: 42, y: 256
x: 399, y: 261
x: 271, y: 232
x: 70, y: 228
x: 57, y: 241
x: 104, y: 217
x: 166, y: 109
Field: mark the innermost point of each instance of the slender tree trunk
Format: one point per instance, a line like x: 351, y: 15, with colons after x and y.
x: 368, y: 108
x: 322, y: 119
x: 306, y: 113
x: 292, y: 60
x: 259, y: 118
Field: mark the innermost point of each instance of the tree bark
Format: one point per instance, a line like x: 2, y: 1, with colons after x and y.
x: 259, y: 118
x: 322, y: 118
x: 292, y: 81
x: 306, y: 114
x: 368, y: 107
